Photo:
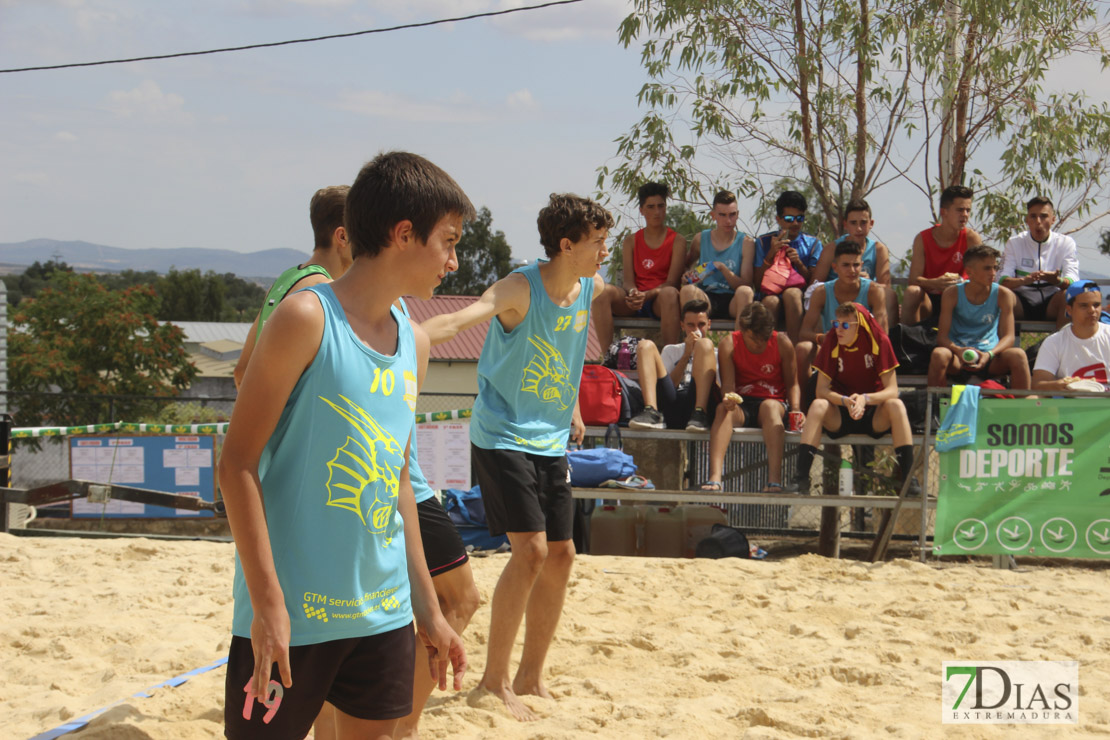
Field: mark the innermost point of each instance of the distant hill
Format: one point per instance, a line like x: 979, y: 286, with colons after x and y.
x: 86, y: 257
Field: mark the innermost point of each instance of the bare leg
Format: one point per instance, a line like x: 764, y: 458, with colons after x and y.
x: 911, y: 304
x: 774, y: 437
x: 940, y: 363
x: 891, y: 306
x: 892, y: 415
x: 610, y: 302
x: 545, y: 606
x: 1015, y: 363
x: 458, y: 600
x: 511, y: 595
x: 705, y: 372
x: 771, y: 303
x: 689, y: 293
x: 743, y: 296
x: 720, y: 435
x: 650, y: 366
x: 792, y: 308
x: 324, y: 726
x: 803, y: 353
x: 666, y: 307
x: 1055, y: 310
x: 353, y: 728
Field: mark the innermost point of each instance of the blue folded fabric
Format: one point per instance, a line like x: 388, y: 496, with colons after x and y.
x: 959, y: 426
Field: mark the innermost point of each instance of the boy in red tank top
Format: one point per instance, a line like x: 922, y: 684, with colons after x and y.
x: 653, y: 258
x: 756, y: 363
x: 938, y: 256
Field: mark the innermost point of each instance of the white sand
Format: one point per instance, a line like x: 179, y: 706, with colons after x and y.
x: 806, y: 647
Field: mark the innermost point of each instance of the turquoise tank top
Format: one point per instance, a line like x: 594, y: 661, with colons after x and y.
x: 828, y: 312
x: 870, y: 261
x: 331, y: 485
x: 420, y: 486
x: 528, y: 378
x: 714, y: 282
x: 975, y: 326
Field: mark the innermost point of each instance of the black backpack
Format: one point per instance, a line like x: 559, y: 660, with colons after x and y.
x: 724, y: 542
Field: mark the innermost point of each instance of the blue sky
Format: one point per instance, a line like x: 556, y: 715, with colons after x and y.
x: 225, y: 151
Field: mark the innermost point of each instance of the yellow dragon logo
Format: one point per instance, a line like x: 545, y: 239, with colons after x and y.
x: 361, y: 462
x: 548, y: 376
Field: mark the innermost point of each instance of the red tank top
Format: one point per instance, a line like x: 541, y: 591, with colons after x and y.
x: 758, y: 375
x: 652, y: 265
x: 941, y: 260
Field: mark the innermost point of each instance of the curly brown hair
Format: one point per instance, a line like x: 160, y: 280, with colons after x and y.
x: 569, y: 216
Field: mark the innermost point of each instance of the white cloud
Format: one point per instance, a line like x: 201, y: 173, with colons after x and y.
x: 594, y: 19
x: 521, y: 100
x: 65, y: 136
x: 147, y: 101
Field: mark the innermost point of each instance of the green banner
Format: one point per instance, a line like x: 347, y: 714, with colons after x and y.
x: 1035, y: 481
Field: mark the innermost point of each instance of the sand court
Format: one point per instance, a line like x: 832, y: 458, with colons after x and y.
x: 803, y: 647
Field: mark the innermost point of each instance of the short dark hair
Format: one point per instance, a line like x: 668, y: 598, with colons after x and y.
x: 757, y: 319
x: 790, y: 199
x: 954, y: 192
x: 569, y: 216
x: 696, y: 305
x: 325, y: 212
x: 651, y: 189
x: 856, y: 204
x: 847, y: 246
x: 981, y: 252
x: 395, y: 187
x: 723, y: 198
x: 1040, y: 200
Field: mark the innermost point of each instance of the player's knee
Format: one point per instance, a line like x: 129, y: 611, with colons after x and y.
x: 560, y: 556
x: 818, y: 407
x: 646, y: 347
x: 532, y: 553
x: 668, y: 296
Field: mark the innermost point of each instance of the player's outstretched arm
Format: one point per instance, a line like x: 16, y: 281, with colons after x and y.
x: 507, y: 299
x: 287, y: 346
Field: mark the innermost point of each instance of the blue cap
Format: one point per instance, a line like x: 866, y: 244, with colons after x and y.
x: 1082, y: 286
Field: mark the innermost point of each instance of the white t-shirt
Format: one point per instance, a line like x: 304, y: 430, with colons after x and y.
x: 671, y: 354
x: 1065, y: 355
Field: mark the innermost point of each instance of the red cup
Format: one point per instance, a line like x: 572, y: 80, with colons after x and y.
x: 797, y: 419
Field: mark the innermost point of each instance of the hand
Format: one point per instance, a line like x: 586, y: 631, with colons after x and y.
x: 270, y: 634
x: 690, y: 277
x: 691, y: 339
x: 857, y: 404
x: 792, y: 255
x: 1052, y: 278
x: 863, y: 274
x: 950, y: 278
x: 731, y: 400
x: 634, y: 299
x: 797, y: 421
x: 721, y: 267
x: 981, y: 363
x: 577, y: 429
x: 444, y: 646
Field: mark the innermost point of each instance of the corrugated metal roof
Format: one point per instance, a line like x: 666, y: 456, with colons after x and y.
x: 468, y: 344
x: 200, y: 332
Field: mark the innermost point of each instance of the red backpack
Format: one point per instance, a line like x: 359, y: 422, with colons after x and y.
x: 599, y: 396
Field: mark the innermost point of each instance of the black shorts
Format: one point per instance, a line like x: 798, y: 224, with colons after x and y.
x: 525, y: 492
x: 443, y: 547
x: 718, y: 305
x: 365, y: 677
x: 1034, y: 300
x: 750, y: 406
x: 863, y: 425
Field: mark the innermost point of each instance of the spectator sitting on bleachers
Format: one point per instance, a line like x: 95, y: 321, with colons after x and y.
x: 857, y: 224
x: 653, y: 260
x: 1081, y: 350
x: 757, y: 363
x: 938, y: 257
x: 1039, y: 265
x: 781, y: 279
x: 977, y: 316
x: 728, y: 286
x: 857, y: 392
x: 679, y: 384
x: 847, y: 286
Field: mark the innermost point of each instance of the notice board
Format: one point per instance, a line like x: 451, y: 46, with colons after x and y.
x: 179, y: 464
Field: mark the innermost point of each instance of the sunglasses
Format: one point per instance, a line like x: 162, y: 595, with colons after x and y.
x: 794, y: 219
x: 843, y: 324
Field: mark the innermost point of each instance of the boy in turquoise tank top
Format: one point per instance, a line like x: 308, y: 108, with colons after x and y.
x: 977, y: 317
x: 330, y: 569
x: 526, y: 410
x: 331, y: 256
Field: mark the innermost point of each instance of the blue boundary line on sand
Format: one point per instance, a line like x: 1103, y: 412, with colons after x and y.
x: 76, y: 724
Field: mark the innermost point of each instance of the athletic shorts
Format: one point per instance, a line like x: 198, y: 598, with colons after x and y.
x: 646, y: 311
x: 365, y: 677
x: 863, y: 425
x: 525, y: 492
x: 443, y: 547
x: 718, y: 305
x: 750, y: 406
x: 1034, y: 300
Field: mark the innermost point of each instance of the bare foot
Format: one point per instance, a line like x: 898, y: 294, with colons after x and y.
x: 533, y: 688
x: 512, y: 702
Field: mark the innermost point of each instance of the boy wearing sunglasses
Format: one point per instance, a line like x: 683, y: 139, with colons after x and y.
x: 977, y: 319
x: 786, y: 249
x: 857, y: 391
